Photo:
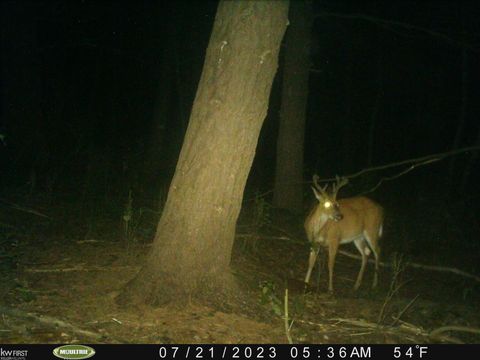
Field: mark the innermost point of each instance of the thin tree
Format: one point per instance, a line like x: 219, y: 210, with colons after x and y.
x: 288, y: 190
x: 191, y: 252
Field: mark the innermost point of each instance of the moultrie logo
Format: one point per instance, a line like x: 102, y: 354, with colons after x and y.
x: 74, y: 351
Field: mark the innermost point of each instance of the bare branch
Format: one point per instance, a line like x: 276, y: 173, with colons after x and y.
x: 415, y: 162
x: 388, y: 178
x: 390, y: 24
x: 24, y: 209
x: 423, y: 160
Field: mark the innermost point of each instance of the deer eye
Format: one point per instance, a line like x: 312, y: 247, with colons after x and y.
x: 327, y: 204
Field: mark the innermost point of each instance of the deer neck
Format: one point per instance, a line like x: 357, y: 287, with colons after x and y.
x: 320, y: 223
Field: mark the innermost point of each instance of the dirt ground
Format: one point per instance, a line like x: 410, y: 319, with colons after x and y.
x: 59, y: 281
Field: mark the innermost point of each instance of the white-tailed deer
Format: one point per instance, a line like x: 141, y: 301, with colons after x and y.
x: 332, y: 223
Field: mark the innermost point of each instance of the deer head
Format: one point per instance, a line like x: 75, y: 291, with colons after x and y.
x: 328, y: 201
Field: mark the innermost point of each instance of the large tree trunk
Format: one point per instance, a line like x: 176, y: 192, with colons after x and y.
x: 288, y: 189
x: 191, y: 252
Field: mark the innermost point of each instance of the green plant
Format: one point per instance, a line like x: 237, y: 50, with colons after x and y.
x: 261, y: 212
x: 279, y: 308
x: 269, y: 297
x: 261, y: 216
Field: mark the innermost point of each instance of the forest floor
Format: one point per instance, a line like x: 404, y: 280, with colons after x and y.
x: 59, y: 279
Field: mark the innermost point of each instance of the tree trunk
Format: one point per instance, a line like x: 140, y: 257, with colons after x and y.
x: 191, y: 251
x: 288, y: 189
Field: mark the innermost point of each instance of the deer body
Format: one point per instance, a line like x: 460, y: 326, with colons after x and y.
x: 333, y: 223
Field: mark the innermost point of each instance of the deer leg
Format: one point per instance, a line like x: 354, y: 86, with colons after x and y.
x: 311, y: 261
x: 364, y: 251
x: 373, y: 243
x: 376, y: 252
x: 332, y: 253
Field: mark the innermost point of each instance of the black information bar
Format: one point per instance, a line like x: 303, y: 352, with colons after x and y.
x: 253, y: 351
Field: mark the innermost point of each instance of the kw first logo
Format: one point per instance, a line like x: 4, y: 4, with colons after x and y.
x: 13, y: 354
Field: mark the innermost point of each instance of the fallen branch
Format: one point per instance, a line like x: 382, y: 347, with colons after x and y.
x: 440, y: 330
x: 405, y: 328
x: 50, y: 321
x: 383, y: 264
x: 281, y: 238
x: 24, y: 209
x: 76, y: 268
x: 419, y: 266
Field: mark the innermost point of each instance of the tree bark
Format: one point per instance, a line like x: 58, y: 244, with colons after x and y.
x: 192, y: 248
x: 288, y: 189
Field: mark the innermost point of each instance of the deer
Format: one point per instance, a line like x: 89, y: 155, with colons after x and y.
x: 332, y: 223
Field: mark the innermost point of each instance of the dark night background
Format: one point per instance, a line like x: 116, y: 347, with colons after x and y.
x: 81, y: 83
x: 96, y: 96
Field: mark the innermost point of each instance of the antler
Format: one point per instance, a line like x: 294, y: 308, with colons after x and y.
x: 341, y: 181
x: 321, y: 190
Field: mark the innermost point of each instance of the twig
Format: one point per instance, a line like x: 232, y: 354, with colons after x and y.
x: 409, y: 305
x: 265, y: 237
x: 285, y: 316
x: 390, y: 295
x: 88, y: 241
x: 412, y: 329
x: 357, y: 322
x: 398, y: 267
